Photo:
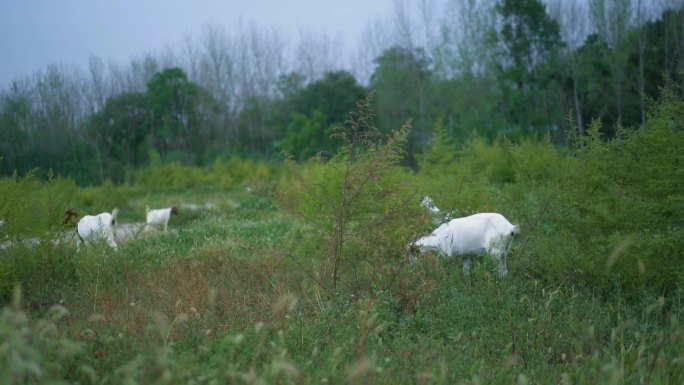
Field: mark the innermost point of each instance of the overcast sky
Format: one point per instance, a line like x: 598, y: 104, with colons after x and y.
x: 35, y: 33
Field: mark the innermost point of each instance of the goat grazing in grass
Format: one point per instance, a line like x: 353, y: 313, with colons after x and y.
x: 484, y: 233
x: 160, y: 217
x: 94, y: 227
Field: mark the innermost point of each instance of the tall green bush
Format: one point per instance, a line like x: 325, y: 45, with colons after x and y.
x: 614, y: 207
x: 465, y: 178
x: 38, y: 351
x: 223, y: 174
x: 31, y: 206
x: 359, y: 203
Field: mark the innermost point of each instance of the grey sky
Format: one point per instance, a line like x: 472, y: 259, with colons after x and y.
x: 35, y: 33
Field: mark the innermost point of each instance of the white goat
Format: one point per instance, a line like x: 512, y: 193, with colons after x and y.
x: 160, y: 217
x: 484, y: 233
x: 96, y: 227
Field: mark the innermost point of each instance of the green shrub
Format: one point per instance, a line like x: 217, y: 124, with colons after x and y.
x: 38, y: 352
x: 104, y: 198
x: 169, y: 177
x: 610, y: 212
x: 33, y: 207
x: 237, y: 170
x: 222, y: 174
x: 605, y: 215
x: 468, y: 178
x: 360, y: 205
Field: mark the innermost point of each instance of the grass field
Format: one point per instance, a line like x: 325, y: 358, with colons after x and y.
x: 221, y: 299
x: 297, y: 273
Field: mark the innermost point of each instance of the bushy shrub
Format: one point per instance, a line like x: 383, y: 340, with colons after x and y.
x: 468, y: 178
x: 32, y: 206
x: 222, y: 174
x: 613, y: 209
x: 361, y: 207
x: 35, y: 352
x: 103, y: 198
x: 36, y: 245
x: 237, y: 170
x: 605, y: 214
x: 170, y: 177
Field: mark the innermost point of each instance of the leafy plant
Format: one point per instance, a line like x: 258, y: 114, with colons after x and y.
x: 356, y: 202
x: 37, y: 351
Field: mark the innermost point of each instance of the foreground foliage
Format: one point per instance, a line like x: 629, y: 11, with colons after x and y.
x: 234, y: 294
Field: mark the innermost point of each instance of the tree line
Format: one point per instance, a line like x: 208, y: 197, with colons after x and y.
x: 497, y: 67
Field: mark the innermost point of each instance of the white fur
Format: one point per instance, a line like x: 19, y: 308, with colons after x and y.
x: 97, y: 228
x: 159, y: 218
x: 484, y: 233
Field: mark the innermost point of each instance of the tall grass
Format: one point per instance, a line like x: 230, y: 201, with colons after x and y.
x: 220, y: 319
x: 594, y: 293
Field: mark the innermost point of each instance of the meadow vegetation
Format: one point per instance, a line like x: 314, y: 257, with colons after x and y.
x: 298, y: 273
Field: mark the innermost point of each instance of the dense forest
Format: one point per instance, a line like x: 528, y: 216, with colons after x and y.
x: 499, y: 68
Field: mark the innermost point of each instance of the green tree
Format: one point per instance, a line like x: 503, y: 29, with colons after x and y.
x: 118, y: 133
x: 401, y: 80
x: 441, y: 152
x: 179, y: 109
x: 526, y: 41
x: 653, y: 55
x: 14, y: 114
x: 290, y: 84
x: 334, y: 96
x: 306, y: 136
x: 313, y: 111
x: 593, y: 79
x: 612, y: 20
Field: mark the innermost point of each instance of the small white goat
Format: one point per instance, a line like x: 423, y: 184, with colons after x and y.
x: 160, y: 217
x: 484, y: 233
x: 95, y: 228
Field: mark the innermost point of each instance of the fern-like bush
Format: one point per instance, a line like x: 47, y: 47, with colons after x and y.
x: 613, y: 209
x: 224, y: 174
x: 37, y: 351
x: 361, y: 207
